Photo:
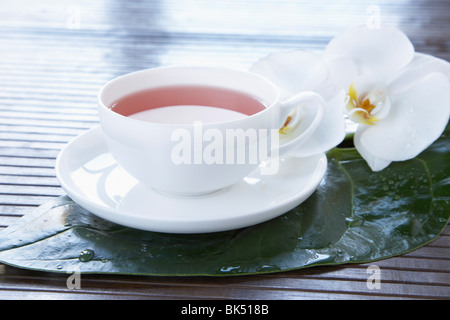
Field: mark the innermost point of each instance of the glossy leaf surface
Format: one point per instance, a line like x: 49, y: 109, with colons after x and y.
x: 355, y: 216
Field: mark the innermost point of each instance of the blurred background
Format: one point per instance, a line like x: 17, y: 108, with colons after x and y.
x: 73, y: 42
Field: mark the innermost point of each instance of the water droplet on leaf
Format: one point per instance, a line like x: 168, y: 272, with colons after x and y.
x: 353, y: 222
x: 230, y: 269
x: 86, y: 255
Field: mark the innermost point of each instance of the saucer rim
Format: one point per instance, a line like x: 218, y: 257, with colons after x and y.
x: 185, y: 226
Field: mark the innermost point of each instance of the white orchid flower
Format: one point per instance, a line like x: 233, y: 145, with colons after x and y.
x: 401, y: 99
x: 297, y: 71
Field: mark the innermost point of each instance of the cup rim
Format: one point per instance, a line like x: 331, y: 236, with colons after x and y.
x: 102, y: 105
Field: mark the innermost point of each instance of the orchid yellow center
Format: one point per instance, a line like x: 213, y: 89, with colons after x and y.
x: 361, y: 107
x: 367, y: 108
x: 285, y: 128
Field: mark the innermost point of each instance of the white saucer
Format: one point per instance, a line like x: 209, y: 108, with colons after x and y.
x: 94, y: 180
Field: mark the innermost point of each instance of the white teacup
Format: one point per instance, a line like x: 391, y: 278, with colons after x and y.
x: 189, y: 158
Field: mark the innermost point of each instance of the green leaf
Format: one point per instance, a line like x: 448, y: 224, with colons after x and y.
x: 355, y: 216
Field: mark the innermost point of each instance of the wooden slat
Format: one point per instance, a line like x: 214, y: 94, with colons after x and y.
x: 339, y: 282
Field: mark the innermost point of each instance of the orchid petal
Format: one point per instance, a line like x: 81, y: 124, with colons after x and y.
x: 417, y: 118
x: 292, y: 71
x: 341, y: 72
x: 375, y: 163
x: 421, y: 66
x: 329, y: 134
x: 378, y: 52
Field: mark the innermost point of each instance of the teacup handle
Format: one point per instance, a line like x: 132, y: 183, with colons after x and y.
x: 300, y: 100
